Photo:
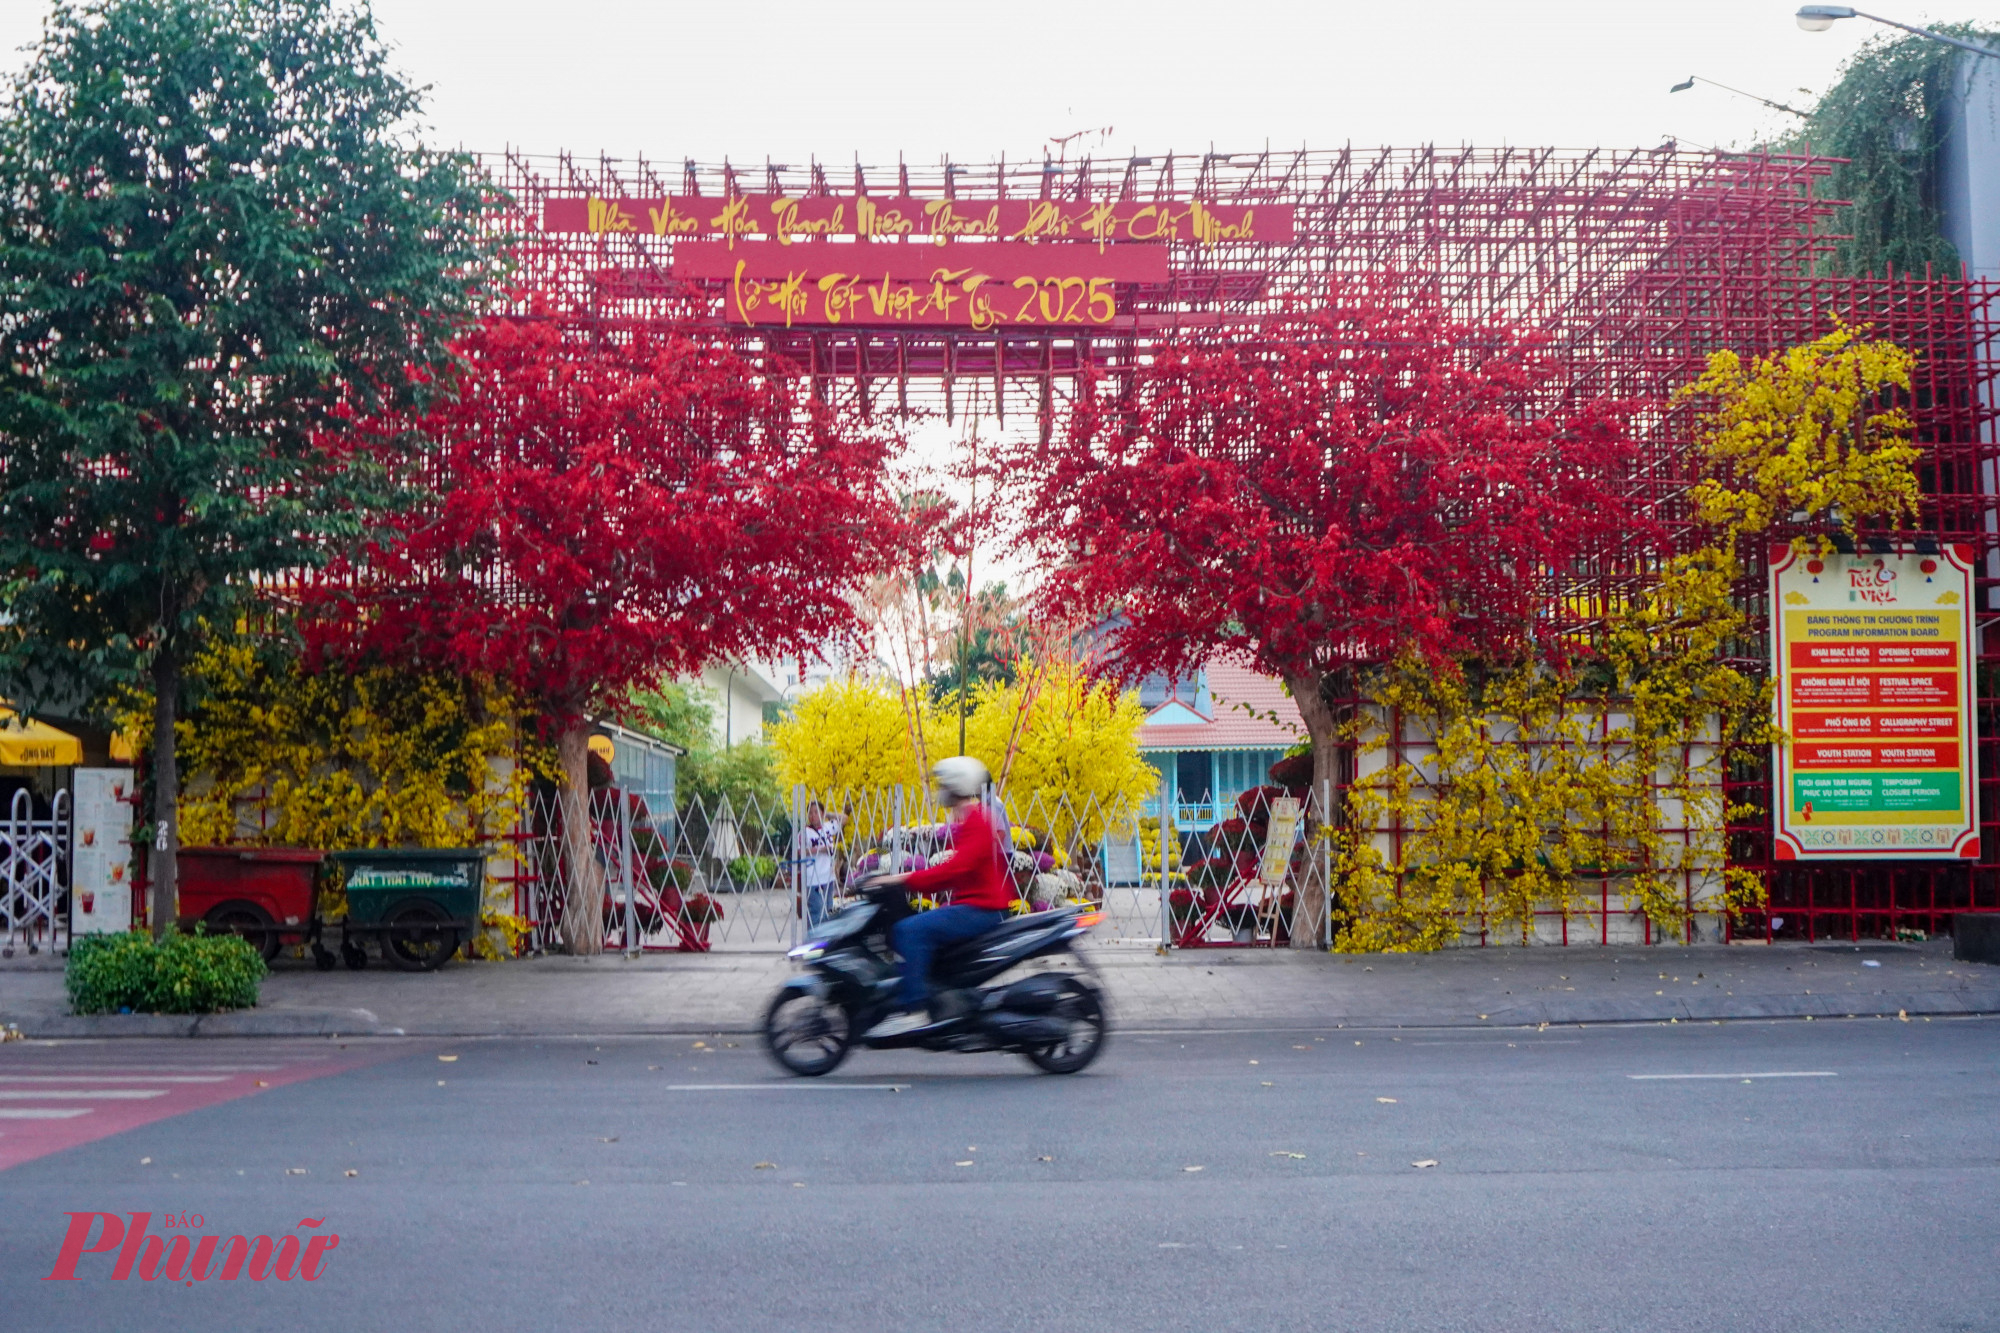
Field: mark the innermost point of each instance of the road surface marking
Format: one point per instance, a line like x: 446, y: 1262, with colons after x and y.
x: 149, y: 1071
x: 1780, y: 1073
x: 1487, y: 1041
x: 768, y: 1087
x: 113, y: 1078
x: 90, y: 1094
x: 42, y: 1112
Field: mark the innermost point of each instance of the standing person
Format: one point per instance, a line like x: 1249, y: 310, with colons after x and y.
x: 975, y: 876
x: 819, y: 840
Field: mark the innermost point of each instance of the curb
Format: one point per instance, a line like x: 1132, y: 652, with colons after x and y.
x: 239, y: 1023
x: 363, y: 1023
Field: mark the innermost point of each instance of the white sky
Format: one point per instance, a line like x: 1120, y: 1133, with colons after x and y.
x: 874, y: 77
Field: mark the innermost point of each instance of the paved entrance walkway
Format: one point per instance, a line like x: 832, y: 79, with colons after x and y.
x: 1204, y: 989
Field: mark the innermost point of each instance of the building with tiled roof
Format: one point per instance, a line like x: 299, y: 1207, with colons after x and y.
x: 1216, y: 734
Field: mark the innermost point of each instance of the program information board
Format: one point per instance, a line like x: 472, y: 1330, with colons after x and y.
x: 1873, y: 664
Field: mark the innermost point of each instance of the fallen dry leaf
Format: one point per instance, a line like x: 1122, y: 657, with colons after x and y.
x: 1267, y: 1084
x: 1253, y: 1062
x: 612, y: 1139
x: 700, y: 1045
x: 1295, y: 1156
x: 765, y: 1166
x: 961, y: 1164
x: 350, y: 1174
x: 1428, y: 1161
x: 295, y: 1170
x: 447, y: 1058
x: 262, y: 1084
x: 1045, y: 1159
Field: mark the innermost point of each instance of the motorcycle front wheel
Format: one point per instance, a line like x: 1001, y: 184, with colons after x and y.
x: 1082, y: 1008
x: 807, y: 1034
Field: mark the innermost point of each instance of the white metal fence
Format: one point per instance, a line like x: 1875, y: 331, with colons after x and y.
x: 753, y: 876
x: 34, y: 871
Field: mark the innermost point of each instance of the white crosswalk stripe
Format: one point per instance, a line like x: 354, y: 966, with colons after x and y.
x: 89, y: 1094
x: 113, y: 1078
x: 42, y: 1112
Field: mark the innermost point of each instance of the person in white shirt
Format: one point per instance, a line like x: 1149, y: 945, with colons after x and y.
x: 819, y: 843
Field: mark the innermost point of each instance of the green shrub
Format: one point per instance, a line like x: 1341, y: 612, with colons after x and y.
x: 753, y: 869
x: 183, y: 974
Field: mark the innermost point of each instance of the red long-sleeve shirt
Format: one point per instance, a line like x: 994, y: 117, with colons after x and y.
x: 973, y: 873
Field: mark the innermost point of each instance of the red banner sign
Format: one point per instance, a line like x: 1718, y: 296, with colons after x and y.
x: 965, y: 296
x: 785, y: 218
x: 1000, y: 261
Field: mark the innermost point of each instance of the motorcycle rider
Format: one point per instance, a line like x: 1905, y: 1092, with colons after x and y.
x: 974, y: 874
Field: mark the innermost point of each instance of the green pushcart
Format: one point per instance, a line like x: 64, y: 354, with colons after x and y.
x: 421, y: 904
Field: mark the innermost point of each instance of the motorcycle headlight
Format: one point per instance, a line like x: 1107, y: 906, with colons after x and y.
x: 808, y: 951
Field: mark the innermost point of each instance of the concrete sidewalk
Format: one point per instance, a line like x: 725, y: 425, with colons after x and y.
x: 1188, y: 990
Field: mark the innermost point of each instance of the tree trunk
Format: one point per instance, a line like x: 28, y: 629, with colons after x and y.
x: 1309, y: 911
x: 583, y: 903
x: 162, y: 865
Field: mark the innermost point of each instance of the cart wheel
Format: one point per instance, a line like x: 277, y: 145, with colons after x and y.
x: 354, y: 954
x: 323, y: 959
x: 248, y: 920
x: 417, y: 939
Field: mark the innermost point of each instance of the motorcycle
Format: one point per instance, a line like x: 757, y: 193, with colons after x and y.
x: 1056, y: 1019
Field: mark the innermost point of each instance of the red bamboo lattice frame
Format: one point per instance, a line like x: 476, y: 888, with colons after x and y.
x: 1638, y: 265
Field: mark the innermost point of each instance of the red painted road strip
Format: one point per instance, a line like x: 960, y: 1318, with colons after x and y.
x: 38, y: 1118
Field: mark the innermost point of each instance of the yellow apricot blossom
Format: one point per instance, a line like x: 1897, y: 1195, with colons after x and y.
x: 1807, y: 435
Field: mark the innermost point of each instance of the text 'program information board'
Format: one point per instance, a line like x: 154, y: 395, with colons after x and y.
x: 1873, y: 664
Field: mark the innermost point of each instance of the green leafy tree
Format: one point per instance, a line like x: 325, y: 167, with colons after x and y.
x: 220, y: 243
x: 1886, y: 116
x: 744, y: 774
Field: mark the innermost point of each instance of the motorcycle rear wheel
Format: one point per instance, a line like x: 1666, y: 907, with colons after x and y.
x: 1083, y: 1008
x: 806, y: 1034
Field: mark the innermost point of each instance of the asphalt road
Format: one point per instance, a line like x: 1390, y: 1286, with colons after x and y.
x: 1583, y: 1179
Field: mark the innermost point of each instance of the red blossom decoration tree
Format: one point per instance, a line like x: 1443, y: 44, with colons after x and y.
x: 1324, y: 491
x: 608, y: 515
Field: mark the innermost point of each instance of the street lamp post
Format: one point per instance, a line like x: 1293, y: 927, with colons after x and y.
x: 1818, y: 18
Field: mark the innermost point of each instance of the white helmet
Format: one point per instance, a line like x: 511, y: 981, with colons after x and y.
x: 960, y: 778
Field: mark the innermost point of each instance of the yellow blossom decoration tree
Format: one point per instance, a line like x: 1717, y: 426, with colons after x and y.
x: 1539, y: 784
x: 280, y: 755
x: 1074, y: 763
x: 1806, y: 435
x: 849, y: 736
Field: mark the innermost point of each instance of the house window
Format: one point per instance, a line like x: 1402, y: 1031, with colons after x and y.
x: 1237, y: 771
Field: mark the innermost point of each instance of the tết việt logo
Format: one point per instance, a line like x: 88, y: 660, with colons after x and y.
x: 188, y: 1259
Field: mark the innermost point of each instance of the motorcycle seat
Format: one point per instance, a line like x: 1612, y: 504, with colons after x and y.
x: 1013, y: 925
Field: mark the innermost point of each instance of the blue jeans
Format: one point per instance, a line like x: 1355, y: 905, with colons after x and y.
x: 918, y: 937
x: 818, y: 898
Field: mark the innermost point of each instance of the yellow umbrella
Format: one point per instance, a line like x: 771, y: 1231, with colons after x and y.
x: 35, y: 744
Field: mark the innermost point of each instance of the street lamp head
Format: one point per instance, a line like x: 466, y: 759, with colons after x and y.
x: 1818, y: 18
